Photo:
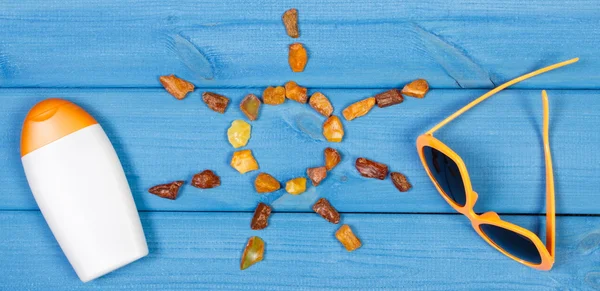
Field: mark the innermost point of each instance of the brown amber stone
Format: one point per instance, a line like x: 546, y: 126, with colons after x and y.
x: 359, y: 108
x: 216, y: 102
x: 243, y: 161
x: 274, y: 95
x: 321, y: 104
x: 333, y: 130
x: 347, y: 238
x: 316, y: 175
x: 250, y: 106
x: 324, y: 208
x: 332, y: 158
x: 371, y: 169
x: 169, y: 190
x: 260, y: 220
x: 177, y: 87
x: 265, y: 183
x: 253, y: 253
x: 400, y: 182
x: 389, y: 98
x: 417, y: 88
x: 295, y: 92
x: 206, y: 180
x: 290, y: 21
x: 298, y: 57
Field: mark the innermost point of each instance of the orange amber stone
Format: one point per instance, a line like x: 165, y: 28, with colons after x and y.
x: 359, y: 108
x: 297, y: 57
x: 177, y: 87
x: 347, y: 238
x: 243, y: 161
x: 333, y: 130
x: 274, y: 95
x: 417, y: 88
x: 295, y: 92
x: 332, y: 158
x: 265, y: 183
x: 321, y: 104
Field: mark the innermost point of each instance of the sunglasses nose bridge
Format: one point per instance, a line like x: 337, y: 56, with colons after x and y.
x: 468, y: 209
x: 490, y: 215
x: 474, y: 197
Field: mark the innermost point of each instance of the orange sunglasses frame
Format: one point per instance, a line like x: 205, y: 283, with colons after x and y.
x: 546, y: 251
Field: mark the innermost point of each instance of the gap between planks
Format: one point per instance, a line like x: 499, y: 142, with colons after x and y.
x: 341, y: 212
x: 196, y: 88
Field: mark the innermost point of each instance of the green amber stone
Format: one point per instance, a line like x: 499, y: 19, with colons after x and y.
x: 253, y: 253
x: 250, y: 106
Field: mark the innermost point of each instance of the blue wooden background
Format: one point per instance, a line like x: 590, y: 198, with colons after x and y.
x: 107, y: 56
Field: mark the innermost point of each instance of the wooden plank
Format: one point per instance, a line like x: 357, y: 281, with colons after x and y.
x: 202, y: 251
x: 352, y: 44
x: 160, y: 139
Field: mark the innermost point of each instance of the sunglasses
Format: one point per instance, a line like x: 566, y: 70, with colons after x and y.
x: 449, y: 174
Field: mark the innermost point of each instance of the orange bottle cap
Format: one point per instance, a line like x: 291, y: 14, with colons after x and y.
x: 51, y: 120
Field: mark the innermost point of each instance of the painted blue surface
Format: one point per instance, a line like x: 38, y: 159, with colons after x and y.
x: 351, y: 44
x: 107, y: 56
x: 401, y: 252
x: 160, y: 139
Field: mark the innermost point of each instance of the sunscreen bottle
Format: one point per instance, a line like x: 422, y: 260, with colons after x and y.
x: 80, y: 187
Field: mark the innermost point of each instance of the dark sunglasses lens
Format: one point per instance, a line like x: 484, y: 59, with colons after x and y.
x: 513, y: 243
x: 445, y: 171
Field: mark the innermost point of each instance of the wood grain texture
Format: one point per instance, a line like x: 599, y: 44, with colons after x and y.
x: 453, y: 44
x: 160, y: 139
x: 202, y: 251
x: 351, y: 44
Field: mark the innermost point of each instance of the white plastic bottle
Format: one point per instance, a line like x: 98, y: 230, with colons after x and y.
x: 81, y: 189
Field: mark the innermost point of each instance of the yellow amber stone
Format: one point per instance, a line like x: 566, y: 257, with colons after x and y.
x: 296, y: 186
x: 243, y: 161
x: 239, y: 133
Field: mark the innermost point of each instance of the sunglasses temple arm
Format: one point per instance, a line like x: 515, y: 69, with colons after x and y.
x: 498, y: 89
x: 550, y: 203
